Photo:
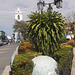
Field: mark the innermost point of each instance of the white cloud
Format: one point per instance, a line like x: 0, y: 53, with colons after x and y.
x: 8, y: 7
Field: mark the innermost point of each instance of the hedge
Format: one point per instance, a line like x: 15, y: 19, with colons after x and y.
x: 25, y: 46
x: 71, y: 42
x: 23, y: 64
x: 62, y: 55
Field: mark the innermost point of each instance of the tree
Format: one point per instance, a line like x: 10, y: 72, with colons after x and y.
x: 71, y: 19
x: 73, y: 28
x: 21, y: 27
x: 45, y: 30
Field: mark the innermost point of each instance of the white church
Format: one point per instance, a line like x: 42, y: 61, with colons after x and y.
x: 18, y: 17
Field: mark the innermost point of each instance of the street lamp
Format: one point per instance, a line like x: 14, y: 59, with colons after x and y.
x: 50, y: 7
x: 58, y: 3
x: 41, y: 4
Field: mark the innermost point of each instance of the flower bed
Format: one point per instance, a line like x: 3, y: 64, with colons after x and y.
x: 23, y: 64
x: 71, y: 42
x: 25, y: 46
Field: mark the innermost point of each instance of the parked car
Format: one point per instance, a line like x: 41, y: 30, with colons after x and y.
x: 3, y: 40
x: 69, y: 36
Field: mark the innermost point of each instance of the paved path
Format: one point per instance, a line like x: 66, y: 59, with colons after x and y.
x: 6, y: 52
x: 73, y: 63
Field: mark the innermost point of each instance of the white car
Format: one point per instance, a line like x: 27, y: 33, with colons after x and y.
x: 69, y: 36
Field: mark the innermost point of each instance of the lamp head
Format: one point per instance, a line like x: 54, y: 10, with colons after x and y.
x: 58, y: 3
x: 40, y: 5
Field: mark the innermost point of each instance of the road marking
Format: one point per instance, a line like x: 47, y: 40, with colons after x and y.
x: 5, y: 49
x: 2, y: 52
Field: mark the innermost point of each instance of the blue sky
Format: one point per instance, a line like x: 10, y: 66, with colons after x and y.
x: 8, y: 8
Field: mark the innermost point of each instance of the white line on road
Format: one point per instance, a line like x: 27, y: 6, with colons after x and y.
x: 2, y: 52
x: 5, y: 49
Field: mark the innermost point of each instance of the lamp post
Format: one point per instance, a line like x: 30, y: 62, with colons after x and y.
x: 41, y: 4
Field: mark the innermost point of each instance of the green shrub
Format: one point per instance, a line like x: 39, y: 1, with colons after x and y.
x: 23, y: 64
x: 71, y: 42
x: 62, y: 40
x: 45, y: 30
x: 62, y: 56
x: 25, y: 46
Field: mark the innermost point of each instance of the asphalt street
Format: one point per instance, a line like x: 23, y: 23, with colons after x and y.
x: 6, y: 52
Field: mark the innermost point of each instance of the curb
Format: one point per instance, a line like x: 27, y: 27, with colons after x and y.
x: 7, y: 69
x: 14, y: 54
x: 73, y: 63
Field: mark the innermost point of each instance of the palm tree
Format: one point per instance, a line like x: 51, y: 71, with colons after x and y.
x: 45, y: 30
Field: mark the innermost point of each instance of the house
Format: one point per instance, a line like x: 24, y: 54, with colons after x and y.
x: 69, y: 34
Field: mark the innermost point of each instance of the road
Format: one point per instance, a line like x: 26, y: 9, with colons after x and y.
x: 6, y: 52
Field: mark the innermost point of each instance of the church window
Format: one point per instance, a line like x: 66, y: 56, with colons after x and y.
x: 18, y: 17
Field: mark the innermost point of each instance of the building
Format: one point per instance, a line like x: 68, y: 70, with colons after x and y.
x: 69, y: 34
x: 2, y: 33
x: 18, y: 17
x: 68, y: 28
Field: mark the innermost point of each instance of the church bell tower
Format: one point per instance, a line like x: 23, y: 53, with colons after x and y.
x: 18, y: 15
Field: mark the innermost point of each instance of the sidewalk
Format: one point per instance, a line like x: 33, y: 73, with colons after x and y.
x: 73, y: 63
x: 7, y: 70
